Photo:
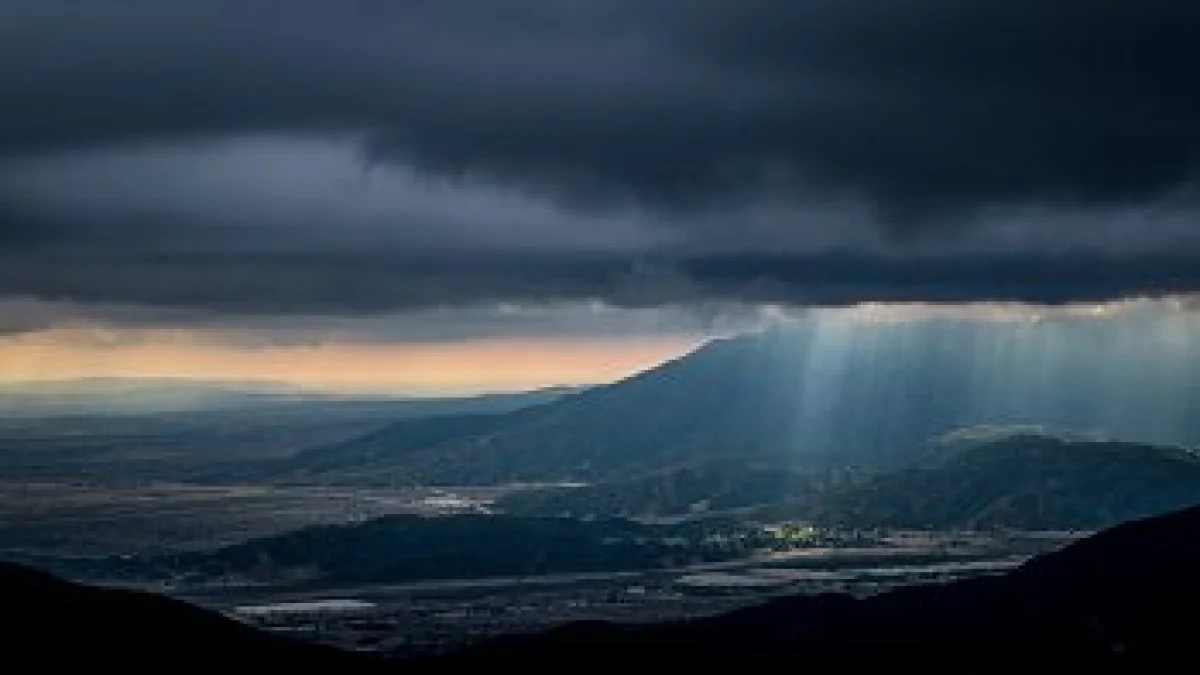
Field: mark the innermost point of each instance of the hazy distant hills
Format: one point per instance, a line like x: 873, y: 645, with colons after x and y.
x: 694, y: 489
x: 172, y: 430
x: 114, y: 396
x: 971, y: 479
x: 150, y: 396
x: 1018, y: 479
x: 815, y: 396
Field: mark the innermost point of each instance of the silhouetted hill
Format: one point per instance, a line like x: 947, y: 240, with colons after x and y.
x: 46, y: 623
x: 1018, y: 479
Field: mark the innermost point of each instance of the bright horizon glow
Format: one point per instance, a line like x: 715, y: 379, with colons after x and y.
x: 428, y: 368
x: 469, y: 365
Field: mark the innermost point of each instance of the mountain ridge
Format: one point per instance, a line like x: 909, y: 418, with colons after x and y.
x: 1020, y: 481
x: 816, y: 396
x: 1020, y: 478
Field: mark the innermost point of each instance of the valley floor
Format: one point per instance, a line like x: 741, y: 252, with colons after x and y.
x: 93, y: 518
x: 66, y: 519
x: 438, y: 616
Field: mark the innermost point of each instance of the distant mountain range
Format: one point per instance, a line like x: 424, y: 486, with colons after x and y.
x: 812, y: 397
x: 1015, y: 479
x: 976, y: 478
x: 710, y: 404
x: 142, y: 395
x: 816, y: 397
x: 1116, y: 602
x: 172, y: 430
x: 146, y: 396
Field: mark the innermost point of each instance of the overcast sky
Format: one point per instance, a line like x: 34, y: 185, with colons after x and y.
x: 388, y: 168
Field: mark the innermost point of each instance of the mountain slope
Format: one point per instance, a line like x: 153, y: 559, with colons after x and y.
x: 713, y: 403
x: 1019, y: 479
x: 391, y: 454
x: 819, y: 395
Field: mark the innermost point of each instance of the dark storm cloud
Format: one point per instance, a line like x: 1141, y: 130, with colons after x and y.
x: 917, y: 105
x: 161, y: 152
x: 368, y: 285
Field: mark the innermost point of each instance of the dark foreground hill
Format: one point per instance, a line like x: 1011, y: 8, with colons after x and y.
x: 46, y: 624
x: 1121, y: 601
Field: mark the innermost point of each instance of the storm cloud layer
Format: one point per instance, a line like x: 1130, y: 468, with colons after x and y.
x: 346, y: 158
